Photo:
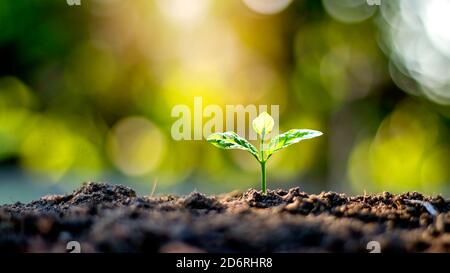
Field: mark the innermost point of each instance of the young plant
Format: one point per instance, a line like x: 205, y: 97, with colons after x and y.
x: 262, y: 125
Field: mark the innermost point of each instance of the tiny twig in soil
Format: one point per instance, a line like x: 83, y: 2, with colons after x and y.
x: 155, y: 184
x: 427, y: 205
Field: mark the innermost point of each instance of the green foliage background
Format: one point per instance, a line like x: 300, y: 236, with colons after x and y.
x: 86, y: 94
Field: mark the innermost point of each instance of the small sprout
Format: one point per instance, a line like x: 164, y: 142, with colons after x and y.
x: 262, y: 125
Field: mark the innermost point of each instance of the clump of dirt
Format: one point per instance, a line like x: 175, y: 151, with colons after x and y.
x: 112, y: 218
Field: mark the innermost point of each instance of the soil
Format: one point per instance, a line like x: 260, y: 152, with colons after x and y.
x: 112, y: 218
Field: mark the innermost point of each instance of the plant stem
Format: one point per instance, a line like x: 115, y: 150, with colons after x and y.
x: 263, y: 177
x: 263, y: 164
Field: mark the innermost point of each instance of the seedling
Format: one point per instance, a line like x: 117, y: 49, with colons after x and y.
x: 262, y: 125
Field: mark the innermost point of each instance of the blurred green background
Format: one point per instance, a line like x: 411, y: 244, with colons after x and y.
x: 86, y: 93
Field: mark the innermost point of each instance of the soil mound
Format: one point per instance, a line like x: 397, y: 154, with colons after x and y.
x: 112, y: 218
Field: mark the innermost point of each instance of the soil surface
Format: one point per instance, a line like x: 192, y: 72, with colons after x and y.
x: 112, y: 218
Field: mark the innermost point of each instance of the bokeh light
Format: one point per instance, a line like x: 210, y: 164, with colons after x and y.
x: 417, y: 43
x: 267, y: 6
x: 52, y: 148
x: 88, y: 94
x: 183, y: 11
x: 405, y: 153
x: 349, y: 11
x: 135, y: 146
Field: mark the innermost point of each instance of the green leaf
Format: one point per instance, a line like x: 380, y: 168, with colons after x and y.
x: 231, y: 140
x: 263, y: 124
x: 288, y: 138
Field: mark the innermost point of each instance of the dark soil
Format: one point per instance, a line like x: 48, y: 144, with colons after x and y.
x: 109, y: 218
